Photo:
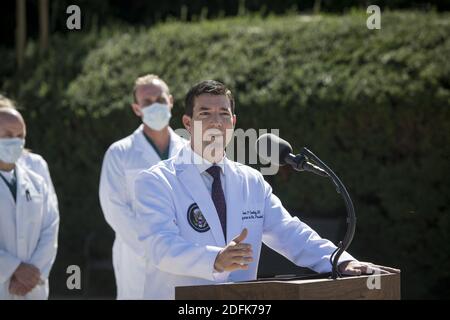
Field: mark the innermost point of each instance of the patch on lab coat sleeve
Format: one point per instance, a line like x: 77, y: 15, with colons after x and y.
x: 196, y: 219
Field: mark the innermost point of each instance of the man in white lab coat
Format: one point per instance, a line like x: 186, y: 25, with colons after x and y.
x: 29, y: 218
x: 204, y: 217
x: 152, y: 142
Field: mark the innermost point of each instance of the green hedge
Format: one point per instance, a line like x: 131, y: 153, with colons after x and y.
x: 373, y: 104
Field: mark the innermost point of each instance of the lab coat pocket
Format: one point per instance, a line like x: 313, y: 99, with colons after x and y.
x: 34, y: 206
x: 32, y: 217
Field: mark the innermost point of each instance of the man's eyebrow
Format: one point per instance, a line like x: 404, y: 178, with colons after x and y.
x: 202, y: 108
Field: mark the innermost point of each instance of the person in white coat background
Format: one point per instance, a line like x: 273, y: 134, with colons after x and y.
x: 29, y: 217
x: 31, y: 160
x: 203, y: 218
x: 152, y: 142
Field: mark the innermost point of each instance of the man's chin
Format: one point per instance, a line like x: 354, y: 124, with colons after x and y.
x: 213, y: 152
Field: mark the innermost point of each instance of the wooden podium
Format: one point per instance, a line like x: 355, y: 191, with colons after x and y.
x: 384, y: 287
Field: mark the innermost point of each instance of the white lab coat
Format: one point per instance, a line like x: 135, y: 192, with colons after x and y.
x: 121, y: 165
x: 38, y: 165
x: 178, y: 255
x: 28, y: 231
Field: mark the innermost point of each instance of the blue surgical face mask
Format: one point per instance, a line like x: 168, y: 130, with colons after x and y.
x: 11, y: 149
x: 156, y: 116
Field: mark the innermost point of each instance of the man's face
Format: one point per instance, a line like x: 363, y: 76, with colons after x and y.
x: 211, y: 126
x: 12, y: 125
x: 148, y: 94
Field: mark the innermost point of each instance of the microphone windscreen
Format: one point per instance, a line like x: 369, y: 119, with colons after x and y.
x: 273, y: 149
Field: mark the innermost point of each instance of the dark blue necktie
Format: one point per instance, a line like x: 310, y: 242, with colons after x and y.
x: 218, y: 198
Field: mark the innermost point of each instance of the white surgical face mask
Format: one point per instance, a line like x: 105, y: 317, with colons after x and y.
x: 11, y: 149
x: 156, y: 116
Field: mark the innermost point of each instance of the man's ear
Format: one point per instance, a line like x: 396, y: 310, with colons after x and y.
x: 187, y: 122
x: 234, y: 120
x: 136, y: 109
x: 171, y: 101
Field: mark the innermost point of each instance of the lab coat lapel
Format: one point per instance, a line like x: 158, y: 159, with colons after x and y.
x: 144, y: 148
x: 23, y: 187
x: 176, y: 143
x: 233, y: 186
x: 192, y: 181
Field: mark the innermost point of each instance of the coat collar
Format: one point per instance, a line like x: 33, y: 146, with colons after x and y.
x: 203, y: 164
x: 148, y: 153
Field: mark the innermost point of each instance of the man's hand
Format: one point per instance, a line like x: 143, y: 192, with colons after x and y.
x: 356, y: 268
x: 236, y: 255
x: 27, y: 275
x: 17, y: 288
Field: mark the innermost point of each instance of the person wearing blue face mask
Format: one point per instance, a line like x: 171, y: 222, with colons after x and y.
x: 29, y: 218
x: 152, y: 142
x: 28, y: 159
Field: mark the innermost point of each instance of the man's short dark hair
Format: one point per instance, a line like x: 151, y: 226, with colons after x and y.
x: 206, y: 87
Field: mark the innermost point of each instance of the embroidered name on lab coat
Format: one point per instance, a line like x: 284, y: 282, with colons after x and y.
x: 251, y: 214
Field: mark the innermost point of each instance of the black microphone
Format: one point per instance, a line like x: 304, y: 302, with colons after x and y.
x: 279, y: 152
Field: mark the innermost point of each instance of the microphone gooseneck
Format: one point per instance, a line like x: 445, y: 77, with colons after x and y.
x: 279, y: 152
